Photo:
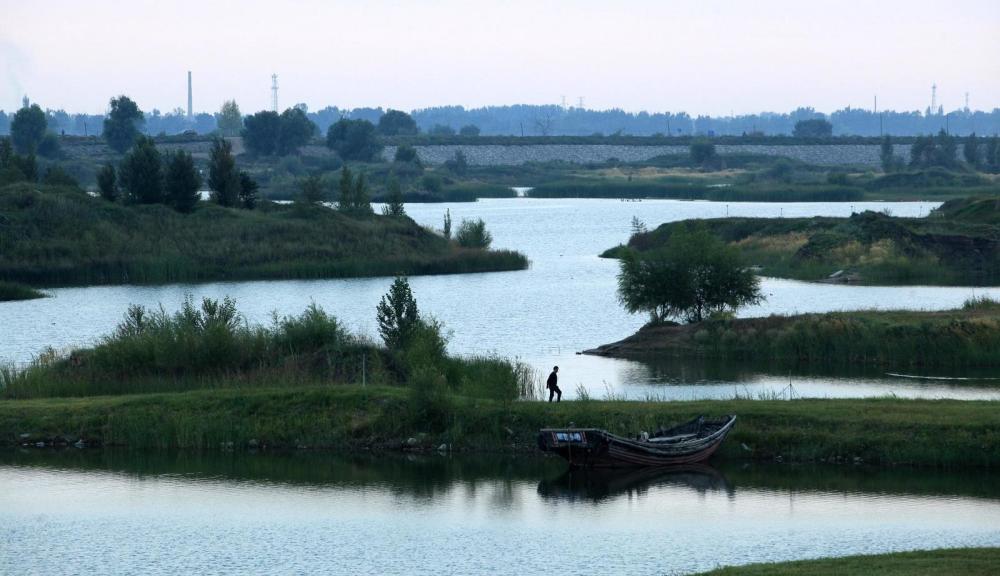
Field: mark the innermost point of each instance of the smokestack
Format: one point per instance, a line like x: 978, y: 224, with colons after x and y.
x: 189, y: 93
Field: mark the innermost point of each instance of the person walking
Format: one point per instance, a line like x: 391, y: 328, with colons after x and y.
x: 553, y: 385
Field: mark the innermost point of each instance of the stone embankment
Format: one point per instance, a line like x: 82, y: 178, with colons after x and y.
x: 512, y: 155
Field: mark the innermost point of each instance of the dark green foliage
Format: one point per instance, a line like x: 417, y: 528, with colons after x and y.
x: 447, y: 224
x: 887, y: 156
x: 764, y: 191
x: 21, y: 168
x: 53, y: 238
x: 27, y: 129
x: 432, y: 183
x: 472, y: 234
x: 345, y: 190
x: 933, y: 177
x: 141, y: 174
x: 10, y: 291
x: 49, y: 147
x: 702, y: 153
x: 441, y: 130
x: 353, y: 196
x: 469, y: 130
x: 406, y: 153
x: 457, y: 164
x: 361, y: 198
x: 56, y: 176
x: 223, y: 178
x: 971, y: 151
x: 396, y: 123
x: 838, y: 178
x: 107, y: 184
x: 991, y: 158
x: 394, y: 198
x: 312, y: 189
x: 353, y: 140
x: 928, y: 151
x: 121, y: 126
x: 397, y: 315
x: 248, y: 191
x: 295, y: 131
x: 261, y: 132
x: 694, y: 275
x: 181, y: 182
x: 815, y: 128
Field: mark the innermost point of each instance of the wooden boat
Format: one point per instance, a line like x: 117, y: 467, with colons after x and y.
x: 687, y: 443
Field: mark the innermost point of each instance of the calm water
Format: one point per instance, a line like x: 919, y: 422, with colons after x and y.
x: 564, y: 304
x: 107, y: 513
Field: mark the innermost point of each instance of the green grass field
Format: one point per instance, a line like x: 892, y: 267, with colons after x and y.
x: 947, y: 562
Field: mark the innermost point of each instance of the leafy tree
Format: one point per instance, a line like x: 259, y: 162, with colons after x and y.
x: 473, y: 234
x: 406, y: 153
x: 353, y: 140
x: 970, y: 150
x: 6, y: 153
x: 928, y: 151
x: 230, y: 120
x: 56, y: 176
x: 397, y: 123
x: 813, y: 128
x: 27, y: 166
x: 361, y: 201
x: 432, y: 183
x: 345, y: 190
x: 887, y: 155
x: 469, y: 130
x: 947, y: 148
x: 261, y: 132
x: 223, y: 179
x: 441, y: 130
x: 27, y: 129
x: 181, y: 182
x: 702, y: 152
x: 140, y: 173
x: 248, y: 191
x: 50, y: 147
x: 397, y: 315
x: 457, y: 164
x: 294, y: 131
x: 992, y: 154
x: 447, y: 224
x: 638, y: 226
x: 312, y: 189
x: 106, y: 183
x: 394, y: 198
x: 692, y: 276
x: 121, y: 126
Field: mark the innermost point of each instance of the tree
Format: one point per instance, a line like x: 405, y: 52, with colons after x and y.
x: 970, y: 150
x: 406, y: 153
x: 361, y: 201
x: 248, y: 191
x: 992, y: 155
x: 353, y: 140
x: 692, y: 276
x: 447, y: 224
x: 261, y: 132
x: 27, y: 129
x: 887, y: 155
x: 441, y: 130
x: 397, y: 123
x: 312, y: 189
x: 50, y: 147
x: 814, y: 128
x: 457, y: 164
x: 141, y: 173
x: 473, y: 234
x: 702, y: 152
x: 223, y: 179
x: 106, y: 184
x: 56, y: 176
x: 469, y: 130
x: 181, y: 182
x: 394, y: 198
x: 928, y: 151
x: 121, y: 126
x: 294, y: 131
x: 397, y: 315
x: 345, y: 190
x: 230, y: 120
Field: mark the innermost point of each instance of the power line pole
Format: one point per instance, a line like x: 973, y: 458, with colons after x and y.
x: 274, y: 92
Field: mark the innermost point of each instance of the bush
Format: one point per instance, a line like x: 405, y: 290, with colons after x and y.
x: 473, y: 234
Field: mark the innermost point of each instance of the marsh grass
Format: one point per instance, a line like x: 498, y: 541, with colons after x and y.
x: 10, y: 291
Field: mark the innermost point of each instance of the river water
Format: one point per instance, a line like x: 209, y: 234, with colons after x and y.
x: 94, y: 512
x: 563, y: 304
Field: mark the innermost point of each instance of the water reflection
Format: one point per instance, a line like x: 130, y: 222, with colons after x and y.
x: 601, y: 484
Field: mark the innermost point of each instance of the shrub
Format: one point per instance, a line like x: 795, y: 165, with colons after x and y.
x: 473, y: 234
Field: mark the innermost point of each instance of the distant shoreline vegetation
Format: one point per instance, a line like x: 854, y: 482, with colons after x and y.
x: 11, y: 291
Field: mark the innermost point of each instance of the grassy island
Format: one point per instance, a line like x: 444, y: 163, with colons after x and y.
x: 61, y: 236
x: 957, y: 244
x: 10, y: 291
x: 967, y: 561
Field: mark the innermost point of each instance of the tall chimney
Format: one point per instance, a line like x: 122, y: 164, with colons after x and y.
x: 189, y: 93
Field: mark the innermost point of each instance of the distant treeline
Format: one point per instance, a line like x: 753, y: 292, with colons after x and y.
x: 551, y: 120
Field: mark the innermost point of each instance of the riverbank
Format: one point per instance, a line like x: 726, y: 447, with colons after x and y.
x: 884, y: 431
x: 966, y: 561
x: 57, y: 236
x: 11, y: 291
x: 958, y: 244
x: 967, y: 337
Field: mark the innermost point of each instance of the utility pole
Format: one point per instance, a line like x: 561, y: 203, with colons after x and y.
x: 274, y: 92
x: 189, y: 95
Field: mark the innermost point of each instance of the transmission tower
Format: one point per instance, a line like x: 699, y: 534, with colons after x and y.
x: 274, y: 92
x: 933, y: 98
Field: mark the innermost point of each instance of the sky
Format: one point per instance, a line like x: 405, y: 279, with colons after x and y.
x: 703, y: 57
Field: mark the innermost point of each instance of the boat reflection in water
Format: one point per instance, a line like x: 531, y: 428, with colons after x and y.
x: 600, y: 484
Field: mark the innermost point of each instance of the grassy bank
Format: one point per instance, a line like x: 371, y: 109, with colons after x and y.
x: 966, y: 561
x: 885, y: 431
x: 636, y: 189
x: 56, y: 236
x: 958, y: 244
x: 12, y: 291
x: 951, y: 339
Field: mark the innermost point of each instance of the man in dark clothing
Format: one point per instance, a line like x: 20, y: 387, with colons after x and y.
x: 553, y: 386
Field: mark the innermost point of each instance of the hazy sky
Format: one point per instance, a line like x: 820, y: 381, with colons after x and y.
x: 703, y: 57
